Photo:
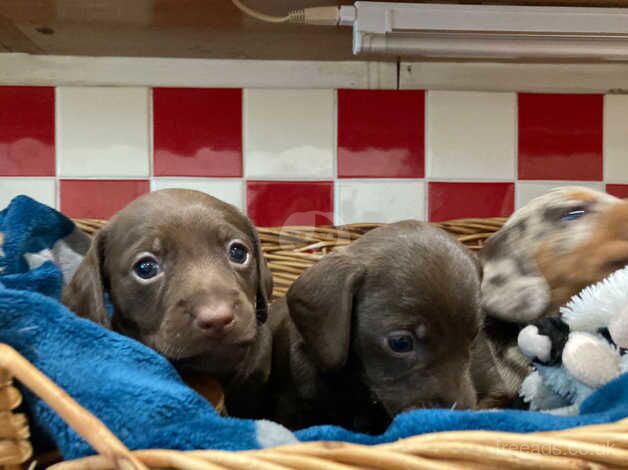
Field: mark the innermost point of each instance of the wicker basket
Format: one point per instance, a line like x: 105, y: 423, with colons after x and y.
x: 289, y: 251
x: 15, y: 447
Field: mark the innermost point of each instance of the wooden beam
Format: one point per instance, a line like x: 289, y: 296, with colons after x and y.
x: 13, y: 40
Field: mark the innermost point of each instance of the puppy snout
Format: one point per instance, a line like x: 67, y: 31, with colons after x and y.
x: 215, y: 320
x: 460, y: 394
x: 463, y: 402
x: 466, y: 401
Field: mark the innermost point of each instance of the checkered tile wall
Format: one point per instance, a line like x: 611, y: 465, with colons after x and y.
x: 309, y: 156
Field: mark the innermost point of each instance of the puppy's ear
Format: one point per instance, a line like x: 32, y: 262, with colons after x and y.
x: 264, y: 278
x: 513, y: 289
x: 84, y: 295
x: 321, y: 303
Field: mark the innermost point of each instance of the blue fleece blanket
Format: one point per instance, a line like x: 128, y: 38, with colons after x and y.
x: 138, y: 394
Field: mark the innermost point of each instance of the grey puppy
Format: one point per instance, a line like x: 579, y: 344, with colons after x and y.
x: 379, y: 328
x: 185, y: 275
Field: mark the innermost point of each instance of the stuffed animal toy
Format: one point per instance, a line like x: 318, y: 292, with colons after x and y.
x: 580, y: 350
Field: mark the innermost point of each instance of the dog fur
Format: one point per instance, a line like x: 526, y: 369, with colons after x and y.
x: 546, y: 252
x: 202, y: 311
x: 332, y: 363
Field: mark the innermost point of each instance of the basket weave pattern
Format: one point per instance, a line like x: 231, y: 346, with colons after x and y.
x: 289, y: 251
x: 15, y: 447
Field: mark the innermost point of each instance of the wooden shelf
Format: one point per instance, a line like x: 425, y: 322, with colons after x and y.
x: 184, y: 28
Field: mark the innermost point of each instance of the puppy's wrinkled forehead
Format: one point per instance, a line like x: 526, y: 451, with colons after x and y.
x: 544, y: 216
x: 183, y: 218
x: 435, y: 279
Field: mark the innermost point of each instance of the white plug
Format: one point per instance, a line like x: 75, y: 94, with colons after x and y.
x: 325, y: 16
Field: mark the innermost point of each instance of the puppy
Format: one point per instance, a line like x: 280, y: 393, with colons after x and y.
x: 382, y: 327
x: 185, y: 275
x: 546, y: 252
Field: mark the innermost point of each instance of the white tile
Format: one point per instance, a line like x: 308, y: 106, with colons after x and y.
x: 102, y: 131
x: 616, y: 138
x: 471, y: 134
x: 525, y: 191
x: 379, y: 201
x: 289, y: 133
x: 41, y: 189
x: 230, y: 191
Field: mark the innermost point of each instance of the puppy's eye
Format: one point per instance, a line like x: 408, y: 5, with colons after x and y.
x: 147, y: 268
x: 238, y: 253
x: 401, y: 343
x: 573, y: 214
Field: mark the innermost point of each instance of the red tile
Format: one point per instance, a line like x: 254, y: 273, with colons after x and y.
x: 618, y: 190
x: 278, y: 203
x: 560, y: 137
x: 381, y: 133
x: 197, y: 131
x: 99, y: 199
x: 27, y: 131
x: 461, y: 200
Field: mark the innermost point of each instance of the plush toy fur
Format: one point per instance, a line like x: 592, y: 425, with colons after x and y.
x: 579, y: 351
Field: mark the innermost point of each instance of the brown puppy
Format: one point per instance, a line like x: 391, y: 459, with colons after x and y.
x: 546, y: 252
x: 185, y: 275
x: 381, y: 327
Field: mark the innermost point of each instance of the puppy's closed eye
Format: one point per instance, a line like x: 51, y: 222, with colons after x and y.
x: 566, y: 213
x: 574, y: 213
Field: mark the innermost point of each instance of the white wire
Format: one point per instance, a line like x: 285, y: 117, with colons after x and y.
x: 260, y: 16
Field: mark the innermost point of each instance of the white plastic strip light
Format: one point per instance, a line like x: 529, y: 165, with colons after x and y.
x: 488, y: 32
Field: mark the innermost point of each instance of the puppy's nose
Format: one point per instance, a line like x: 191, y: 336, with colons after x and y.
x: 215, y: 320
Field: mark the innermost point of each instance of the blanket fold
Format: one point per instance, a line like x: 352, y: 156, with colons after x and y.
x: 138, y: 394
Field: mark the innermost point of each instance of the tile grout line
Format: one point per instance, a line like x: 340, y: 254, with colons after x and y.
x: 337, y: 215
x: 243, y: 116
x: 427, y: 160
x: 604, y: 137
x: 516, y: 151
x: 151, y: 139
x: 57, y: 147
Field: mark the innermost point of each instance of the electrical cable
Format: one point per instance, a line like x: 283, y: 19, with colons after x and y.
x: 329, y: 16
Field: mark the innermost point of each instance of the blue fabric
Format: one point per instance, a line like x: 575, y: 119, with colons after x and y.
x: 138, y: 394
x: 608, y: 404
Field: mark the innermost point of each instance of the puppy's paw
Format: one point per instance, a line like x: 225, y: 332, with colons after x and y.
x: 590, y: 359
x: 533, y: 345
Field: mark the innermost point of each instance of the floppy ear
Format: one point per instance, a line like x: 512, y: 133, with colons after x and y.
x: 84, y: 295
x: 264, y: 278
x: 513, y: 289
x: 321, y: 303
